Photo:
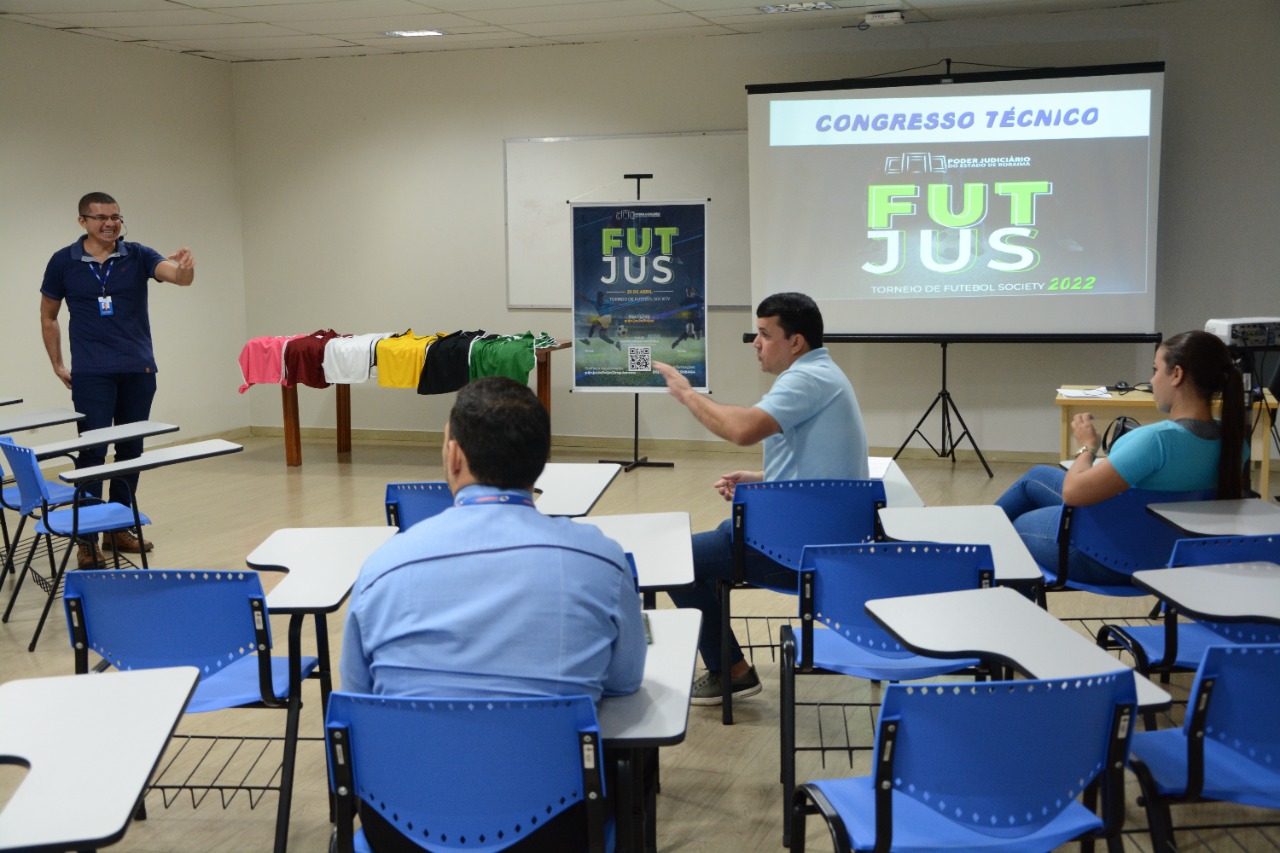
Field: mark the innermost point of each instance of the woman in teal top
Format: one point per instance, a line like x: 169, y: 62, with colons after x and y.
x: 1189, y: 451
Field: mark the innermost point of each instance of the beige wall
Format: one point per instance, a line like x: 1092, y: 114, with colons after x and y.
x: 370, y: 193
x: 153, y: 129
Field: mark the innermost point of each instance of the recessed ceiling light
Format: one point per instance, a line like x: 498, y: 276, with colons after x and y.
x: 412, y: 34
x: 795, y: 7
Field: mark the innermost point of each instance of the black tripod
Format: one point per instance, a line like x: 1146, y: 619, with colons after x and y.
x: 949, y: 443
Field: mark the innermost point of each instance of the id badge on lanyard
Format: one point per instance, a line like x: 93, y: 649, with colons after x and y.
x: 105, y: 308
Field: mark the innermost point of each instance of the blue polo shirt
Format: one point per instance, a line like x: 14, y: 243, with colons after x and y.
x: 822, y: 433
x: 116, y: 343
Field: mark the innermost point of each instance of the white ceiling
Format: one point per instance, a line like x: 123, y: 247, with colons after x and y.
x: 263, y: 30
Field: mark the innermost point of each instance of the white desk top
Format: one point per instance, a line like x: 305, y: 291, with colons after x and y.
x: 92, y: 742
x: 322, y: 564
x: 658, y: 713
x: 19, y: 421
x: 1003, y: 625
x: 1245, y: 517
x: 660, y: 542
x: 154, y: 459
x: 99, y: 437
x: 898, y: 491
x: 572, y: 488
x: 1246, y: 592
x: 966, y: 525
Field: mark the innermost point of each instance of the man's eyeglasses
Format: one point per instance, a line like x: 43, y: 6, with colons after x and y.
x: 99, y: 218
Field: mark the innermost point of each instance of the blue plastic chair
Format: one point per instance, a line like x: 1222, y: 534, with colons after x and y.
x: 1178, y: 645
x: 1120, y: 534
x: 1227, y: 747
x: 215, y: 621
x: 836, y: 581
x: 409, y: 503
x: 967, y: 767
x: 778, y: 519
x: 81, y: 518
x: 60, y: 494
x: 465, y: 774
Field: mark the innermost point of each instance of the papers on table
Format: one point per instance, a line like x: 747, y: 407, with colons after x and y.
x: 1083, y: 393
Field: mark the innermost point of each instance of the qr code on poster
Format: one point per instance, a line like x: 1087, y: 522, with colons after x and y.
x: 640, y: 359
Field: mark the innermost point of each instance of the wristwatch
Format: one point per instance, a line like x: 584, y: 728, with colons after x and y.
x: 1084, y: 448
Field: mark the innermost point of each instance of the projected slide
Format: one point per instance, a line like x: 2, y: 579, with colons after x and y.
x: 1001, y: 206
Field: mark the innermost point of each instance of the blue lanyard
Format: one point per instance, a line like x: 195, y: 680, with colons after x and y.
x: 102, y: 279
x: 500, y: 499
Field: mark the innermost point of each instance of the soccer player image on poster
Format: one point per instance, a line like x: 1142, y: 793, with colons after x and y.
x: 639, y: 277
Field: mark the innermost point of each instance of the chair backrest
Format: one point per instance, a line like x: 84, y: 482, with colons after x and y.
x: 837, y: 580
x: 780, y: 518
x: 1233, y: 702
x: 26, y: 471
x: 1120, y: 533
x: 141, y: 619
x: 466, y: 774
x: 977, y: 752
x: 1216, y: 550
x: 409, y: 503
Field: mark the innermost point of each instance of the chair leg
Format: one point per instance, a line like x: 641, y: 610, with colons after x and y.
x: 11, y: 546
x: 54, y: 582
x: 26, y: 566
x: 726, y: 665
x: 290, y: 733
x: 787, y: 727
x: 1159, y: 822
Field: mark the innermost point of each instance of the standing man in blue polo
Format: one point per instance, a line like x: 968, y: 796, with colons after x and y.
x: 811, y: 427
x: 104, y: 281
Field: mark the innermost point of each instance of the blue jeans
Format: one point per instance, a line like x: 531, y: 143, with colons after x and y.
x: 1034, y: 505
x: 108, y: 399
x: 713, y: 561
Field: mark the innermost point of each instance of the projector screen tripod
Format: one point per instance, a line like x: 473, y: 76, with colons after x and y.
x: 947, y: 446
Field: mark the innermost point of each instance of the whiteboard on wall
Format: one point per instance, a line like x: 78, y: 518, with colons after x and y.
x: 544, y: 175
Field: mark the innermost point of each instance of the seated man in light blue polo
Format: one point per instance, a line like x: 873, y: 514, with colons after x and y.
x: 491, y: 598
x: 811, y: 428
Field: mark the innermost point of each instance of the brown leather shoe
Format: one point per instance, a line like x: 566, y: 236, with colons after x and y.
x: 125, y: 542
x: 89, y: 556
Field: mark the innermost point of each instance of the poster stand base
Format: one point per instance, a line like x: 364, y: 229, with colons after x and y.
x: 636, y: 460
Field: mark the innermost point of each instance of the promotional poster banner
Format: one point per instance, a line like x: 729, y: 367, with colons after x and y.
x: 640, y: 294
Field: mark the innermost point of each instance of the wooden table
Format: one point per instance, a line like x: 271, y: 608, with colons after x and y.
x: 293, y: 428
x: 1235, y: 592
x: 1142, y: 406
x: 92, y: 743
x: 966, y: 525
x: 1002, y: 625
x: 1244, y: 517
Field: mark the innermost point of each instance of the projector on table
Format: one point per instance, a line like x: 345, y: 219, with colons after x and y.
x: 1246, y: 331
